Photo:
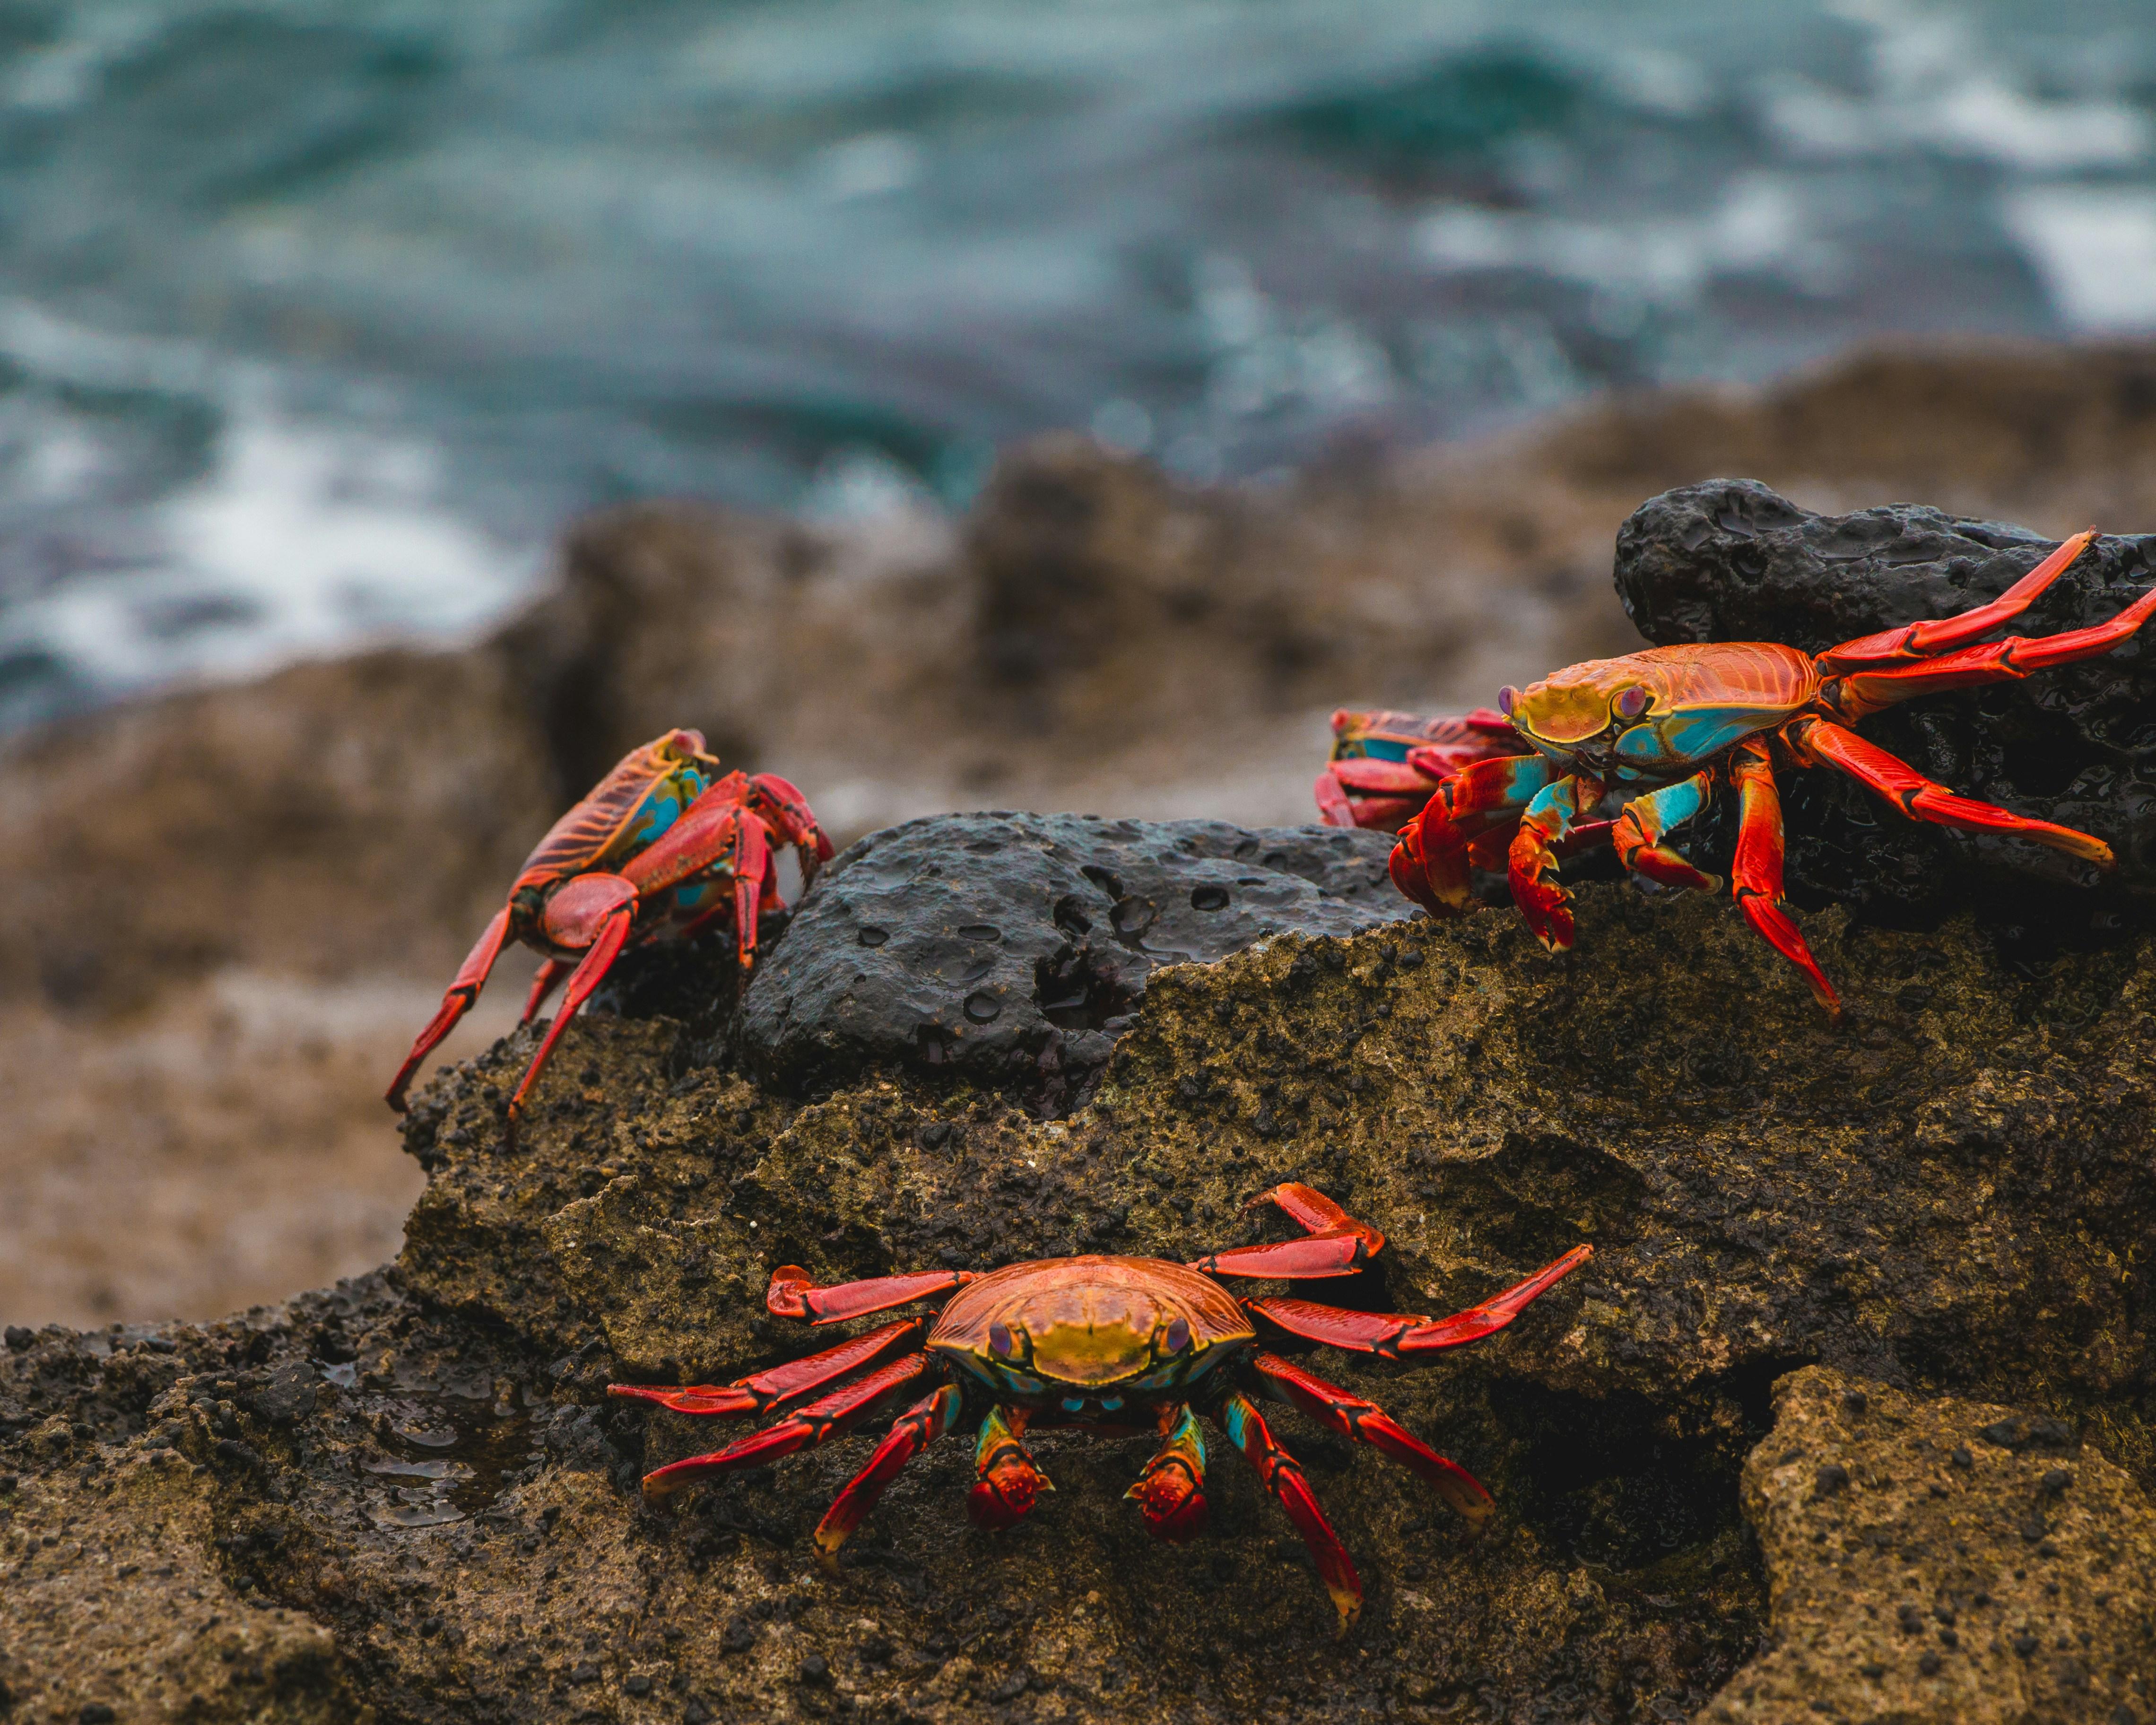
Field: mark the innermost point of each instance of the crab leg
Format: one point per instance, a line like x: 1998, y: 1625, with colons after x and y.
x: 1396, y: 1335
x: 1384, y: 793
x: 791, y: 1294
x: 918, y: 1427
x: 805, y: 1428
x: 795, y: 824
x: 1429, y: 863
x: 1367, y: 1423
x: 594, y: 912
x: 715, y: 830
x: 770, y: 1391
x: 1532, y: 861
x: 471, y: 978
x: 1008, y: 1483
x: 1756, y: 875
x: 1170, y: 1490
x: 548, y: 979
x: 1282, y: 1477
x: 1866, y: 691
x: 1641, y: 823
x: 1336, y: 1244
x: 1917, y: 640
x: 1820, y: 740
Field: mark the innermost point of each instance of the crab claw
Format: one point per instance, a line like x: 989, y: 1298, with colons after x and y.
x: 1548, y: 908
x: 1009, y: 1484
x: 1174, y: 1507
x: 1005, y: 1495
x: 1531, y: 861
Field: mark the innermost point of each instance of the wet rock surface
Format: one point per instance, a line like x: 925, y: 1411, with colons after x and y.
x: 1733, y: 561
x: 1009, y: 949
x: 1943, y: 1195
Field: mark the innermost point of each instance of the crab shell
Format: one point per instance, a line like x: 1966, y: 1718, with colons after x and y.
x: 1084, y: 1335
x: 1656, y: 715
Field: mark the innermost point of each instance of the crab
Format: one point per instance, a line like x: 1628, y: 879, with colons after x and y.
x: 1385, y: 765
x: 1667, y: 729
x: 663, y: 847
x: 1118, y: 1346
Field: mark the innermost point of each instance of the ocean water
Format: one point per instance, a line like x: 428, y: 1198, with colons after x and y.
x: 316, y: 320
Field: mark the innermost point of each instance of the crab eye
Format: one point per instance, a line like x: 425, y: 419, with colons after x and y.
x: 1506, y: 697
x: 999, y: 1339
x: 1178, y: 1334
x: 1631, y: 702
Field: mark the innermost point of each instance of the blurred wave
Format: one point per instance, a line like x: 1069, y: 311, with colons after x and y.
x: 316, y: 318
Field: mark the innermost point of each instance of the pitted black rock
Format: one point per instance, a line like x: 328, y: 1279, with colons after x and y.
x: 1009, y: 948
x: 1733, y: 561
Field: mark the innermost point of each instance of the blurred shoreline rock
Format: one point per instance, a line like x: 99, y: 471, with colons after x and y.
x: 1093, y: 637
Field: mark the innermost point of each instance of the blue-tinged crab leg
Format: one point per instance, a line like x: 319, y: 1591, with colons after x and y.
x: 915, y: 1430
x: 1641, y: 823
x: 1756, y: 875
x: 1008, y: 1483
x: 1282, y: 1477
x: 1171, y: 1487
x: 1429, y: 863
x: 1533, y: 863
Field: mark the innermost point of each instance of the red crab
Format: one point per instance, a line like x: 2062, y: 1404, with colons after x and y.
x: 1669, y: 728
x: 1119, y: 1346
x: 1385, y: 765
x: 662, y: 848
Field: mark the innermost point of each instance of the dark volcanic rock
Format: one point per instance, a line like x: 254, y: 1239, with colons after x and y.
x: 1732, y: 560
x: 1006, y: 948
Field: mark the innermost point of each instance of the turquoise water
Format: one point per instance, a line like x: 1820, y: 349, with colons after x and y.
x: 315, y: 321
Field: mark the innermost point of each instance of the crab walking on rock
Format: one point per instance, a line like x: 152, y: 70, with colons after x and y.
x: 1669, y: 728
x: 661, y: 848
x: 1116, y: 1345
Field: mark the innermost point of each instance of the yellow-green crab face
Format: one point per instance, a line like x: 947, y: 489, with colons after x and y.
x: 1576, y: 705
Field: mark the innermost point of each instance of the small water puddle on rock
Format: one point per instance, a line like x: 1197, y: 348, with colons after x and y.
x: 448, y: 1445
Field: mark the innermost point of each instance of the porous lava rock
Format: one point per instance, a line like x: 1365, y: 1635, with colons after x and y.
x: 1010, y: 948
x: 1733, y: 561
x: 1943, y: 1560
x: 1945, y: 1194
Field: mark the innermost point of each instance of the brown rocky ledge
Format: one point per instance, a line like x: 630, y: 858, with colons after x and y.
x: 1845, y: 1419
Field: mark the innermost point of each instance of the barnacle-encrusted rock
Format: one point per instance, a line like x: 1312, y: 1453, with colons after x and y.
x: 1733, y: 561
x: 1947, y: 1194
x: 1008, y: 947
